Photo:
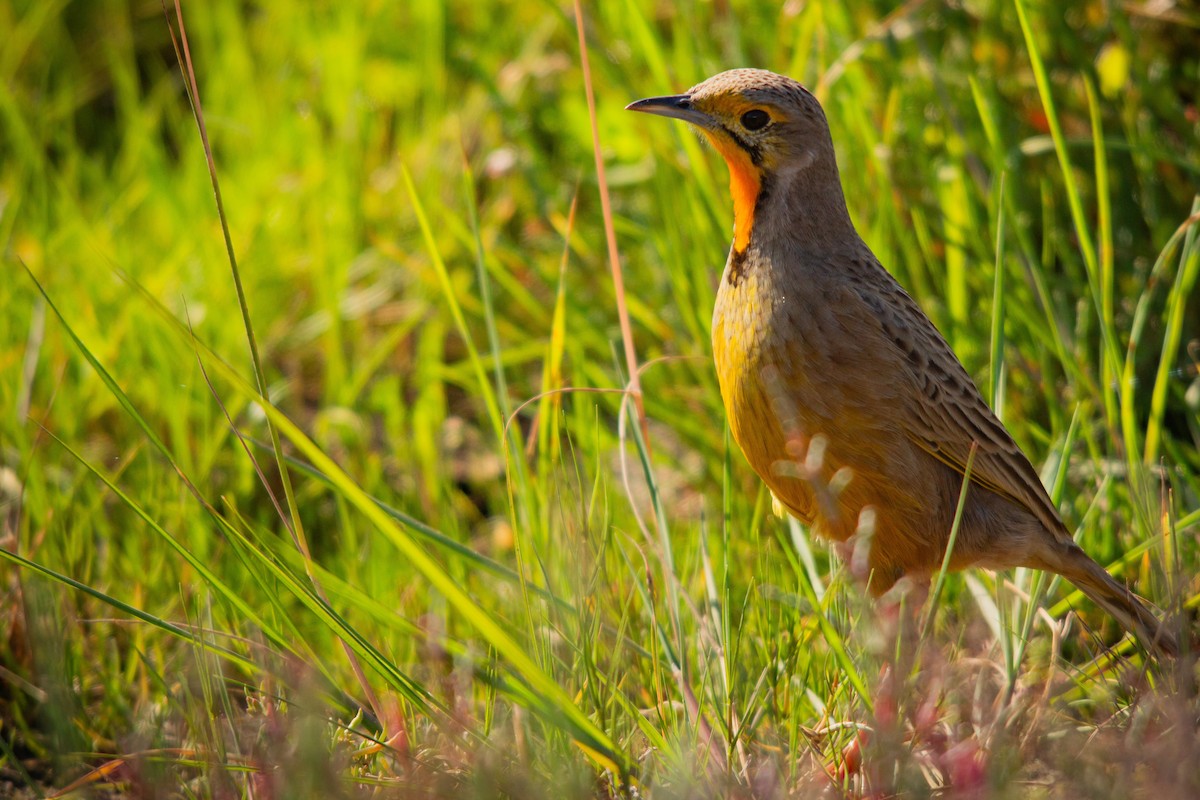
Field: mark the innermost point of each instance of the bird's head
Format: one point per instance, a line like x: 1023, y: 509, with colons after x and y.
x: 768, y: 127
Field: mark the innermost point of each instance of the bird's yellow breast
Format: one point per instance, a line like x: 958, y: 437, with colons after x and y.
x: 746, y: 354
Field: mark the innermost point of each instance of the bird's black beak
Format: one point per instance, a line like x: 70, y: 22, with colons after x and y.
x: 678, y: 106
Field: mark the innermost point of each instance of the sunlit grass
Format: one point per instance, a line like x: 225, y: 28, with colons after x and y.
x: 548, y: 600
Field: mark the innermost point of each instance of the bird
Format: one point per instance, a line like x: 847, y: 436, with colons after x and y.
x: 842, y: 394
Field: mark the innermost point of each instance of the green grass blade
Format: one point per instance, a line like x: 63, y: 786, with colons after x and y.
x: 1176, y: 309
x: 1082, y: 229
x: 837, y: 645
x: 945, y: 569
x: 208, y: 575
x: 157, y: 622
x: 553, y: 700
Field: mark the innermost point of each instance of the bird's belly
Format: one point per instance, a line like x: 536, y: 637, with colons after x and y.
x: 763, y: 381
x: 808, y: 427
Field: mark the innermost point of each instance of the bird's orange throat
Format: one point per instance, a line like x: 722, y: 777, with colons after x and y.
x: 745, y: 181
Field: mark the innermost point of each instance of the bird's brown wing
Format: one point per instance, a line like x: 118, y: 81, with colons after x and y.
x: 945, y: 413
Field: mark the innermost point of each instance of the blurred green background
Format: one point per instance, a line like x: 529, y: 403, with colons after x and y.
x: 403, y: 355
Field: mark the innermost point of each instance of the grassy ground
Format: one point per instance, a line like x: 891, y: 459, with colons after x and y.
x: 545, y: 604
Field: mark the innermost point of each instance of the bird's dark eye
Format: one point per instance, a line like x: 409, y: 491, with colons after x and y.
x: 755, y: 119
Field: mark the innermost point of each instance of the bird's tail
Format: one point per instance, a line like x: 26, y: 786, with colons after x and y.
x: 1094, y: 581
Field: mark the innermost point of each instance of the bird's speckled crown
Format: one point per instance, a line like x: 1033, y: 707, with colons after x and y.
x: 755, y: 84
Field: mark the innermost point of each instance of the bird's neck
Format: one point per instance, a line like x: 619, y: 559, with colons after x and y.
x: 804, y: 208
